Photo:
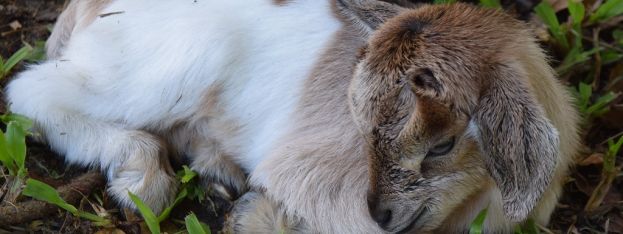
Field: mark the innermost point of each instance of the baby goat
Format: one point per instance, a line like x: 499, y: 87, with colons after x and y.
x: 351, y: 116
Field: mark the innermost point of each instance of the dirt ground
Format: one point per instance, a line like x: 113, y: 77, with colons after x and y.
x: 29, y: 21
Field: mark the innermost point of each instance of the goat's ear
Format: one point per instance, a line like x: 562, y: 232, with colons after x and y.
x: 368, y: 14
x: 519, y: 143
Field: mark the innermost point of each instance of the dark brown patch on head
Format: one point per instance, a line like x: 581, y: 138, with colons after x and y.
x: 433, y: 117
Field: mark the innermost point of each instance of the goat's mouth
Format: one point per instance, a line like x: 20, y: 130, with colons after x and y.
x: 416, y: 220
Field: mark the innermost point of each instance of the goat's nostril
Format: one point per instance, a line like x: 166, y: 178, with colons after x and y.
x: 382, y: 216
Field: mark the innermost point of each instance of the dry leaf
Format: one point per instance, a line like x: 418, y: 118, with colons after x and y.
x: 558, y: 5
x: 15, y: 25
x: 593, y: 159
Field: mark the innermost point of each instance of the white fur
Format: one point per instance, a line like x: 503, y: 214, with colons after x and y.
x: 147, y: 67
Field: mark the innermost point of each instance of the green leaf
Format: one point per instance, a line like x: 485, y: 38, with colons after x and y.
x: 1, y: 67
x: 491, y: 3
x: 548, y: 15
x: 16, y: 145
x: 476, y: 226
x: 194, y: 226
x: 576, y: 10
x: 180, y: 196
x: 41, y: 191
x: 23, y: 121
x: 150, y: 218
x: 618, y: 36
x: 610, y: 158
x: 187, y: 175
x: 97, y: 219
x: 601, y: 104
x: 576, y: 56
x: 16, y: 58
x: 607, y: 10
x: 585, y: 92
x: 37, y: 53
x: 5, y: 156
x: 610, y: 56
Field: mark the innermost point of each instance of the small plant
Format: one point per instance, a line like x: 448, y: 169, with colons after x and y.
x: 9, y: 64
x: 548, y: 15
x: 189, y: 189
x: 153, y: 223
x: 607, y: 10
x: 13, y: 153
x: 41, y: 191
x: 193, y: 226
x: 595, y: 109
x: 13, y: 144
x: 608, y: 173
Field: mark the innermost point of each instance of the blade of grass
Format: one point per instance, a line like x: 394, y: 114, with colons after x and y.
x: 180, y: 196
x: 477, y: 224
x: 194, y: 226
x: 41, y: 191
x: 16, y: 145
x: 601, y: 104
x: 577, y: 11
x: 548, y: 15
x: 20, y: 119
x: 608, y: 174
x: 5, y: 157
x: 150, y: 218
x: 18, y: 56
x: 1, y: 67
x: 607, y: 10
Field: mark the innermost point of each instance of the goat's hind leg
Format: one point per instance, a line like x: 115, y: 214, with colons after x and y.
x: 254, y: 212
x: 217, y: 170
x: 51, y: 94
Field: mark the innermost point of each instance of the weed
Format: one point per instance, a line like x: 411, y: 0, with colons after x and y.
x: 194, y: 226
x: 41, y: 191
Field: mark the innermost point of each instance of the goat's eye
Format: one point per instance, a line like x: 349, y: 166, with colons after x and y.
x: 441, y: 149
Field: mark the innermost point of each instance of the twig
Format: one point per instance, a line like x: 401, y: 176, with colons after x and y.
x: 611, y: 138
x: 604, y: 44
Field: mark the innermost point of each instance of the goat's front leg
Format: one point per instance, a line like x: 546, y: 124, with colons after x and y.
x: 135, y: 161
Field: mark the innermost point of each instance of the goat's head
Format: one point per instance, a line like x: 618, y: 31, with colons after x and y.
x: 443, y: 99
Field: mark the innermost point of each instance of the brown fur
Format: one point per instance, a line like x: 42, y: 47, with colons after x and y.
x: 200, y: 139
x: 426, y: 75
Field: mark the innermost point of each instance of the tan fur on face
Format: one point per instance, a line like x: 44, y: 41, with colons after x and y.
x: 77, y: 15
x: 469, y: 57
